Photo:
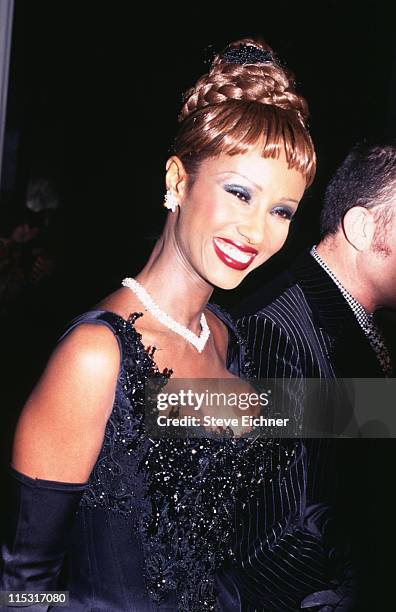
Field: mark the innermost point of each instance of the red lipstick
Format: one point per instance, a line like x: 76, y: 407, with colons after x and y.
x: 230, y: 256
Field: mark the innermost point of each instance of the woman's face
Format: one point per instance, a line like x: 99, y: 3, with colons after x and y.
x: 237, y: 215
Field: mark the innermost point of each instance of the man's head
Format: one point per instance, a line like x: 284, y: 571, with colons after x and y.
x: 366, y: 178
x: 358, y: 222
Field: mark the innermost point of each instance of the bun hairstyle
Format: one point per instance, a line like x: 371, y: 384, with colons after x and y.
x: 247, y: 98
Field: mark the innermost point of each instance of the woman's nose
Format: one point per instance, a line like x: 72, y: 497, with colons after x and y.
x: 254, y: 230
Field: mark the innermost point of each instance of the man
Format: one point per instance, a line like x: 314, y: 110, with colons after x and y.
x: 322, y: 318
x: 319, y: 324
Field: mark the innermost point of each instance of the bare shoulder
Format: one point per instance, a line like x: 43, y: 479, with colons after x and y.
x: 88, y: 346
x: 61, y: 428
x: 85, y: 366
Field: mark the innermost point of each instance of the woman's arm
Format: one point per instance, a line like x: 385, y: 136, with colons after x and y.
x: 61, y: 428
x: 58, y: 438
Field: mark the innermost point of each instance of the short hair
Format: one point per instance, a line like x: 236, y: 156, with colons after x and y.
x: 367, y: 177
x: 247, y: 99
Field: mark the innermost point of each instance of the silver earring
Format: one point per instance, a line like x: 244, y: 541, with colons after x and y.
x: 170, y: 201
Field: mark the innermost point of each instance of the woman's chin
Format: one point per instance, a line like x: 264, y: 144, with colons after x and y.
x: 227, y: 283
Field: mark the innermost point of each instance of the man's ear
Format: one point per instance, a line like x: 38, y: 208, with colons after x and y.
x: 359, y: 227
x: 176, y: 178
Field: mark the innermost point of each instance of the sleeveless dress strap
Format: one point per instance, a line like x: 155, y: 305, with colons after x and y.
x: 111, y: 320
x: 238, y: 359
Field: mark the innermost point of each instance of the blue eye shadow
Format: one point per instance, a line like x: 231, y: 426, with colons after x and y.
x: 238, y: 190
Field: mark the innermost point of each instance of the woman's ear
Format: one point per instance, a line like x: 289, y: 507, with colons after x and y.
x: 176, y: 178
x: 359, y: 227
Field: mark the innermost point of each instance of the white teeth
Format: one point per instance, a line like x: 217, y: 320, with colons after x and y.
x: 233, y: 252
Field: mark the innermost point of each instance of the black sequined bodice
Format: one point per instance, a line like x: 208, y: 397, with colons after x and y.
x: 176, y: 495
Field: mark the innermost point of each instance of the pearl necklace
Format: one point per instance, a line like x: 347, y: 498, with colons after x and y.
x: 146, y: 299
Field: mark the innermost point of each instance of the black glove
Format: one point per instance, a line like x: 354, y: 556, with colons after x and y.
x: 40, y: 514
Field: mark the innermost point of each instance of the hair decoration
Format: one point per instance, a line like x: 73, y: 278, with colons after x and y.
x: 247, y: 54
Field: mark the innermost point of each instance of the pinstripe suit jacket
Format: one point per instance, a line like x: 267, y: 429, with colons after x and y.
x: 308, y: 330
x: 301, y: 327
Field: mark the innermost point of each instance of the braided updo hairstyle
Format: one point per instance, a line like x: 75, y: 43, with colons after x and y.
x: 247, y: 98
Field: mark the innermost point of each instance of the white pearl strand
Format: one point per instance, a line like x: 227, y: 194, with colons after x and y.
x: 146, y: 299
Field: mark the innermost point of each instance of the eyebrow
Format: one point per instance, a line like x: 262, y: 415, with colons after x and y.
x: 255, y: 184
x: 243, y: 176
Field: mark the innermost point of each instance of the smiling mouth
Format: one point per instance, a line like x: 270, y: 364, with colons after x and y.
x: 234, y: 255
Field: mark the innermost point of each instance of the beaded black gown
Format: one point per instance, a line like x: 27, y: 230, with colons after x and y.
x: 184, y: 525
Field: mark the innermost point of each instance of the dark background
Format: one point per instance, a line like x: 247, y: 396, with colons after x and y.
x: 94, y: 93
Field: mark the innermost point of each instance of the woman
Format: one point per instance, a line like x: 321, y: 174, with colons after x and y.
x: 155, y: 517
